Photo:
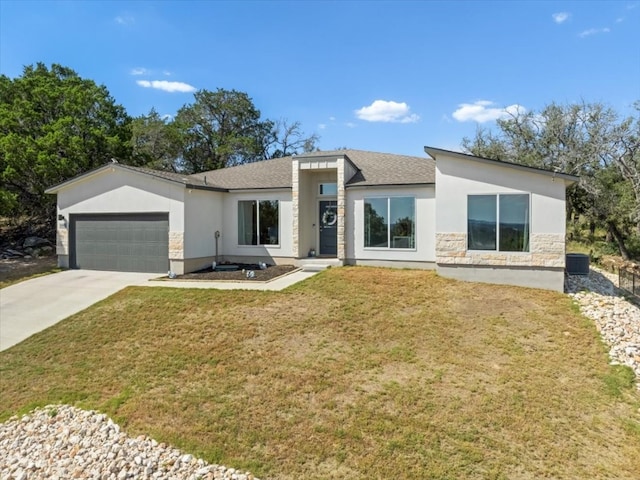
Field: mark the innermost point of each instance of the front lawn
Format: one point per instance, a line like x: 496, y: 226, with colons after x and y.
x: 356, y: 373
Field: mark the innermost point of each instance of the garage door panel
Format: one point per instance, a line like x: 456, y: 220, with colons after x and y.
x: 122, y: 242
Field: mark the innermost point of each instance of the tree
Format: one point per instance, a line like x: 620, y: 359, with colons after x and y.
x: 221, y: 129
x: 155, y: 142
x: 53, y: 125
x: 586, y: 139
x: 289, y: 139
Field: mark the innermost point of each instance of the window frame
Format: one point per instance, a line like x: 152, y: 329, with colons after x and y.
x: 388, y: 198
x: 257, y: 232
x: 497, y: 197
x: 322, y: 194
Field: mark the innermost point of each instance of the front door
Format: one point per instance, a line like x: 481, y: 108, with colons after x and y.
x: 328, y: 227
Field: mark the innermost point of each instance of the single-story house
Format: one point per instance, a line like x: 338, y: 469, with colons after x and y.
x: 468, y: 217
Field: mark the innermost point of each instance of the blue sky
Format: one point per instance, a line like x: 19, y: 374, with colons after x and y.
x: 371, y: 75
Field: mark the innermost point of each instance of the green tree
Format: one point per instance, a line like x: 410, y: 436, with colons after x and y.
x: 53, y: 125
x: 220, y: 129
x: 586, y: 139
x: 155, y: 142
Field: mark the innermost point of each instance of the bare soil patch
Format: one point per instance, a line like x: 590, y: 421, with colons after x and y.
x: 241, y: 274
x: 16, y: 269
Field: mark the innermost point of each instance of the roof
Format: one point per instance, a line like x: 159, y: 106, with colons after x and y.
x: 434, y: 152
x: 372, y: 168
x: 275, y: 173
x: 187, y: 180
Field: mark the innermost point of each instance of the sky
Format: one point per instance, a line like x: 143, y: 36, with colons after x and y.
x: 371, y: 75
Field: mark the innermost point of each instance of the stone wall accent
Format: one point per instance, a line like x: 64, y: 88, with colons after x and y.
x: 341, y: 210
x: 295, y: 200
x: 176, y: 245
x: 546, y: 250
x: 62, y: 241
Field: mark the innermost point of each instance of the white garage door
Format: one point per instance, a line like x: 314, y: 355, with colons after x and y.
x: 120, y: 242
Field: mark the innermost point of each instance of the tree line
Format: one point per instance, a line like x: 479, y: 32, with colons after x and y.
x: 55, y: 125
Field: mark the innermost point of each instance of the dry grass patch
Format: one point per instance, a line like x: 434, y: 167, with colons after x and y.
x: 355, y: 373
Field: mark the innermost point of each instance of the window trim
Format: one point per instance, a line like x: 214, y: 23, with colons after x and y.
x: 497, y: 225
x: 415, y: 224
x: 263, y: 245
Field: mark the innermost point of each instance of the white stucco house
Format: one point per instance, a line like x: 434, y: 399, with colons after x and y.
x: 468, y: 217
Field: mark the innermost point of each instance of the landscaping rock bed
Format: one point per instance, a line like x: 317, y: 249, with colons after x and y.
x: 617, y: 319
x: 59, y: 442
x: 242, y: 273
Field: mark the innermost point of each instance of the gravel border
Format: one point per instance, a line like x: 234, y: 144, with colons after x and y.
x: 616, y: 318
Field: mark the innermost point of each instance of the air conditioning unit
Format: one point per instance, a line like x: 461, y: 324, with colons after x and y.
x: 577, y: 264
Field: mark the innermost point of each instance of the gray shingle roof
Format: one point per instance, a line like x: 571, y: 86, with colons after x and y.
x: 373, y: 169
x: 275, y: 173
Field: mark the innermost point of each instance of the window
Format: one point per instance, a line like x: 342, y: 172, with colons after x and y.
x: 389, y: 222
x: 329, y: 189
x: 498, y: 220
x: 258, y: 222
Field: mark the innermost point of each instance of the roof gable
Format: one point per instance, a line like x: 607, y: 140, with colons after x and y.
x: 434, y: 152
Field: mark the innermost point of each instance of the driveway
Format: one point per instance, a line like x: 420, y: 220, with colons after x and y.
x: 33, y: 305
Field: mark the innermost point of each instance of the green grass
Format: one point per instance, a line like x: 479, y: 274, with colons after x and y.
x: 356, y: 373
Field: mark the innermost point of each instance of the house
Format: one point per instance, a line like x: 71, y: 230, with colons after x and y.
x: 468, y: 217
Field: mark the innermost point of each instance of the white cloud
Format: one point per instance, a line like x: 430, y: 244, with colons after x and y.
x: 560, y: 17
x: 483, y: 111
x: 167, y: 86
x: 333, y: 119
x: 139, y: 71
x: 593, y: 31
x: 167, y: 116
x: 387, y: 111
x: 351, y: 125
x: 124, y: 20
x: 166, y: 73
x: 322, y: 126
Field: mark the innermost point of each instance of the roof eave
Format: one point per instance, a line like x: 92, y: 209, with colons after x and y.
x: 433, y: 152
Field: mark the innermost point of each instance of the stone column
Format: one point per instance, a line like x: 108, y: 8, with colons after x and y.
x: 295, y: 207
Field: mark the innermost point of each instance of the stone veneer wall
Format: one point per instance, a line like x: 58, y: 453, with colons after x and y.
x: 342, y: 254
x: 62, y: 241
x: 176, y: 245
x: 546, y: 250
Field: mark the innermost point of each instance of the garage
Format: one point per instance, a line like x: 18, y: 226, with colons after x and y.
x: 135, y: 242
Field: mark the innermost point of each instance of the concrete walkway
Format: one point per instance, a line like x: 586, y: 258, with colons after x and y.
x: 279, y: 283
x: 34, y: 305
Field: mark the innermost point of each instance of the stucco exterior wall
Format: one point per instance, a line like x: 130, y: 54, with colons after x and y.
x: 229, y: 231
x: 425, y: 220
x: 119, y: 191
x: 456, y: 179
x: 203, y: 217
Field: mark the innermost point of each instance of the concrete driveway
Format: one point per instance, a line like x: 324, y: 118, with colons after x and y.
x: 33, y: 305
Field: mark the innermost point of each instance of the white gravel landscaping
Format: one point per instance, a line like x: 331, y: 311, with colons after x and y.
x: 617, y: 319
x: 60, y: 442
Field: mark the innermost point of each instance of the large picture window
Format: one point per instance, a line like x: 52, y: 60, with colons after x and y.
x: 389, y: 222
x: 498, y: 222
x: 258, y: 222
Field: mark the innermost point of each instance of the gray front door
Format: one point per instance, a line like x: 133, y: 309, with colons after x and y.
x: 328, y: 227
x: 120, y: 242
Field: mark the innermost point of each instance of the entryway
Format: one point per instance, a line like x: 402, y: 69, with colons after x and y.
x: 328, y: 230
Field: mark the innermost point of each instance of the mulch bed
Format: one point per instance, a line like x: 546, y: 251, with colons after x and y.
x: 271, y: 272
